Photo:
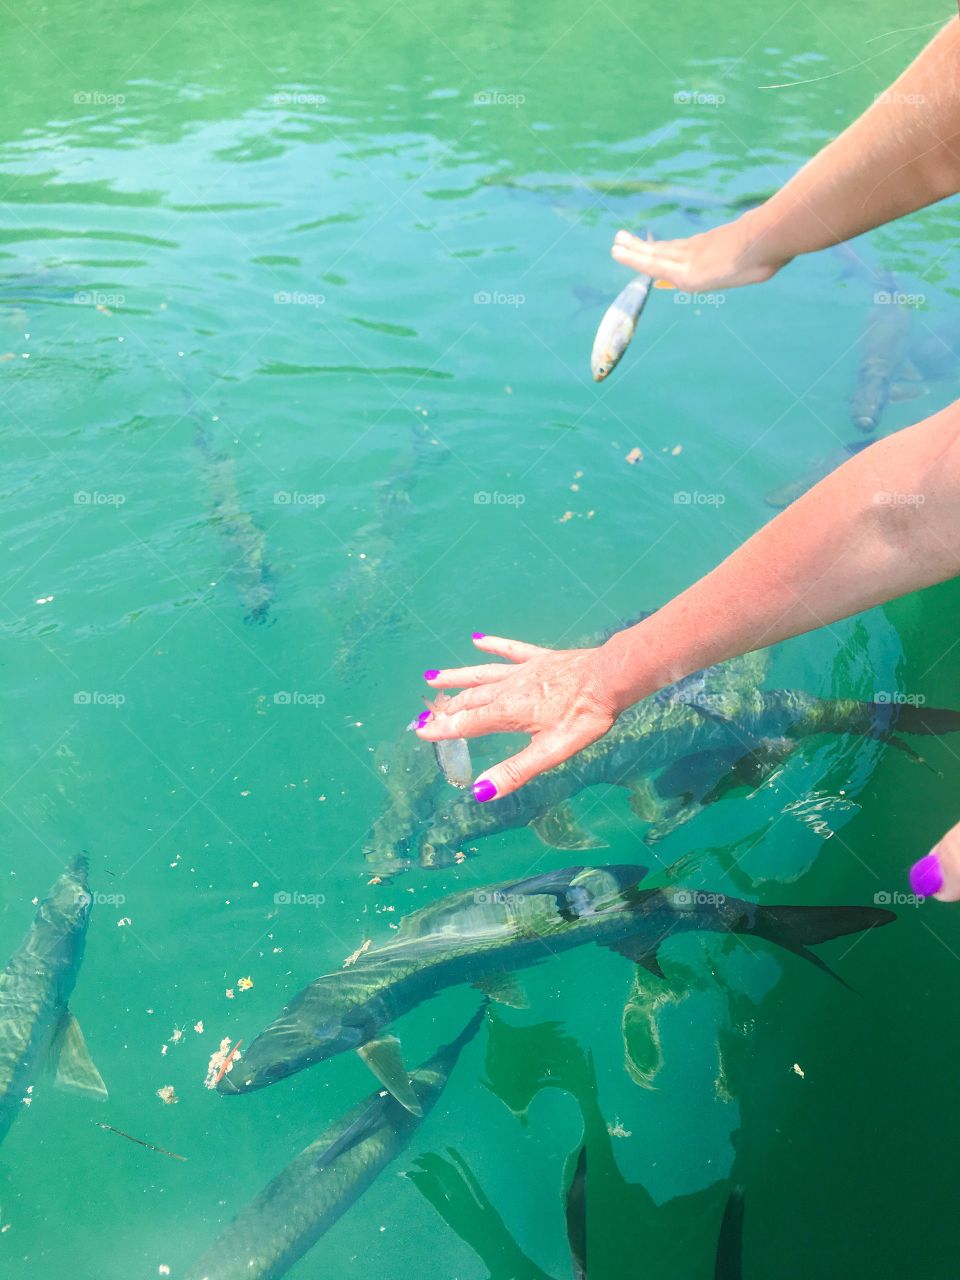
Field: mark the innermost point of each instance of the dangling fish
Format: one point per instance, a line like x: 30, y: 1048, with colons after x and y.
x: 618, y: 326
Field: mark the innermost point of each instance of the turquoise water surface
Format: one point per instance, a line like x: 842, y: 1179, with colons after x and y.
x: 296, y: 314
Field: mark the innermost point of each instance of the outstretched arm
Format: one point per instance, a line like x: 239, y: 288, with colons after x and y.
x: 885, y: 523
x: 902, y: 154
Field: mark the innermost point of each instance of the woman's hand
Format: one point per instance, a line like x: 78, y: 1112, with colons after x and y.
x: 735, y: 254
x: 555, y: 695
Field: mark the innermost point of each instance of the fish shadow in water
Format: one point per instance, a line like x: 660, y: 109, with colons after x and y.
x: 521, y: 1061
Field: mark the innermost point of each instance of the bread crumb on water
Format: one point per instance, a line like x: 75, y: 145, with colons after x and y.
x: 167, y: 1095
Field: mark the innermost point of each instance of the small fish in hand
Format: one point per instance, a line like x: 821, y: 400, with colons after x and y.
x: 618, y: 326
x: 453, y: 754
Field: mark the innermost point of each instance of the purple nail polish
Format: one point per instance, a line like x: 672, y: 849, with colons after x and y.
x: 422, y: 718
x: 483, y: 789
x: 430, y: 674
x: 926, y: 876
x: 478, y: 635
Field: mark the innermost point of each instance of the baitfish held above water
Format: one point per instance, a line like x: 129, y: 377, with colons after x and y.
x: 675, y: 753
x: 618, y: 326
x: 484, y: 936
x: 36, y: 1025
x: 319, y: 1185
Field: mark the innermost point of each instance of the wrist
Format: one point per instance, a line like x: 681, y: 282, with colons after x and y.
x: 763, y: 239
x: 626, y: 669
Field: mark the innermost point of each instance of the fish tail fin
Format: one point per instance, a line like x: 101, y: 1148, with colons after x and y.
x: 796, y: 929
x: 926, y: 720
x: 876, y: 719
x: 451, y: 1051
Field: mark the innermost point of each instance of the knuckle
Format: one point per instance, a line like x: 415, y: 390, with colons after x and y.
x: 512, y: 773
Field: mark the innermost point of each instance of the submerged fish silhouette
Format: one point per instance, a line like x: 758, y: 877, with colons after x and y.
x: 36, y: 1025
x: 313, y: 1192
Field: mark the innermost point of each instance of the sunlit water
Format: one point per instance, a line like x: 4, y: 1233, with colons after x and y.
x: 296, y: 312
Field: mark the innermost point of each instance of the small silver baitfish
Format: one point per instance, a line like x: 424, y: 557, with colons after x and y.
x: 618, y: 326
x: 453, y: 754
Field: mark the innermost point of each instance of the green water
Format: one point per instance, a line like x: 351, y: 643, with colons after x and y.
x: 276, y: 226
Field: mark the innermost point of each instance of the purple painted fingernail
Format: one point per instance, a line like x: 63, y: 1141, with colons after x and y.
x: 483, y: 789
x: 430, y: 674
x: 422, y: 718
x: 926, y: 876
x: 478, y: 635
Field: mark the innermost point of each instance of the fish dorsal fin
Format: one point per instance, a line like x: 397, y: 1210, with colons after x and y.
x: 635, y: 949
x: 505, y: 989
x: 361, y: 1128
x: 559, y: 829
x: 385, y: 1061
x: 75, y: 1070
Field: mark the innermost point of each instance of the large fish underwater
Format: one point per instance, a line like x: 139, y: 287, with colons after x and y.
x: 37, y: 1028
x: 319, y: 1185
x: 674, y: 752
x: 482, y: 936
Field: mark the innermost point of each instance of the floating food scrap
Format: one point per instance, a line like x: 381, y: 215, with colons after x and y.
x: 198, y: 1028
x: 635, y: 455
x: 244, y: 984
x: 221, y: 1061
x: 798, y: 1070
x: 167, y: 1095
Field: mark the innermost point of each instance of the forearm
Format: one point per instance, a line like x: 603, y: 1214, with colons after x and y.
x: 902, y: 154
x: 885, y: 523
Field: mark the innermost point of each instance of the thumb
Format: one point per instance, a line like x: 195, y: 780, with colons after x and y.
x: 541, y: 754
x: 938, y: 874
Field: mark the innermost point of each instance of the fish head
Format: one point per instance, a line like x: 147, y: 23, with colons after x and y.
x: 603, y: 361
x: 295, y: 1041
x: 62, y: 916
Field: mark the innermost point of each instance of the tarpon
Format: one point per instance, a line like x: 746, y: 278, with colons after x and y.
x: 315, y: 1190
x: 675, y: 752
x: 36, y: 1026
x: 882, y: 351
x: 244, y: 543
x: 483, y: 937
x: 618, y: 326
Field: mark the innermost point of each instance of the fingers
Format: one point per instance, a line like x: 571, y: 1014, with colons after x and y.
x: 544, y: 752
x: 466, y: 724
x: 466, y: 677
x: 938, y: 874
x: 514, y: 650
x: 471, y: 699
